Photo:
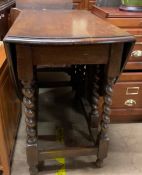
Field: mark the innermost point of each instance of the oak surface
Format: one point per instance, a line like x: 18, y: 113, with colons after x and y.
x: 114, y: 12
x: 69, y: 26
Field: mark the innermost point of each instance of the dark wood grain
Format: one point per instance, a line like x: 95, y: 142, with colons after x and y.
x: 75, y: 38
x: 131, y: 22
x: 114, y: 12
x: 71, y: 32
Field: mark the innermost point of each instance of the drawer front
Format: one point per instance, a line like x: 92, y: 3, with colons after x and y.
x: 126, y: 22
x: 133, y: 26
x: 84, y: 54
x: 125, y: 115
x: 128, y: 94
x: 136, y: 54
x: 134, y: 31
x: 133, y: 65
x: 130, y: 77
x: 135, y: 60
x: 137, y: 32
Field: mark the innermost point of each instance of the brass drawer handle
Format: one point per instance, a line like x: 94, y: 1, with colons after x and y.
x: 136, y: 53
x: 138, y: 43
x: 132, y: 90
x: 130, y: 102
x: 138, y: 35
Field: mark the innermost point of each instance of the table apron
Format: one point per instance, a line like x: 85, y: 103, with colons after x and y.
x: 57, y: 55
x: 29, y: 56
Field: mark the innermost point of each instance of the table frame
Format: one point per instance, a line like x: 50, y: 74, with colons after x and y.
x: 26, y: 57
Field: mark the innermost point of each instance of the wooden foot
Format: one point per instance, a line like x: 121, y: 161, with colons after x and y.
x: 41, y: 165
x: 33, y: 170
x: 99, y: 163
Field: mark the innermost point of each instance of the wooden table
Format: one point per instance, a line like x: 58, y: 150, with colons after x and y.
x: 74, y: 38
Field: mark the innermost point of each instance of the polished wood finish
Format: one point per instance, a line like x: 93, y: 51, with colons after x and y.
x: 129, y: 95
x: 114, y: 12
x: 128, y: 107
x: 10, y: 110
x: 71, y: 31
x: 130, y: 21
x: 131, y: 78
x: 74, y: 45
x: 6, y: 5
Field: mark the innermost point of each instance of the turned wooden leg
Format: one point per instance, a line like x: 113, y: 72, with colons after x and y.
x: 29, y: 101
x: 94, y: 114
x: 103, y: 137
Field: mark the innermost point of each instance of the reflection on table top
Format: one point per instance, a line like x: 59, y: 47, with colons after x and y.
x: 63, y: 26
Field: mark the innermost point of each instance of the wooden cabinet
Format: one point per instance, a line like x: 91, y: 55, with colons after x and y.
x: 10, y: 110
x: 127, y: 101
x: 127, y: 96
x: 91, y: 3
x: 5, y: 6
x: 79, y: 4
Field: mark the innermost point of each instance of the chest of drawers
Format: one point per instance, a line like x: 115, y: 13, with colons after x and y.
x: 127, y: 103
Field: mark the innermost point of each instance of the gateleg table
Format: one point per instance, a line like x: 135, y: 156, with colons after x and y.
x: 70, y: 38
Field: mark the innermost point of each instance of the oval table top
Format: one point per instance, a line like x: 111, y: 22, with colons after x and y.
x: 64, y: 27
